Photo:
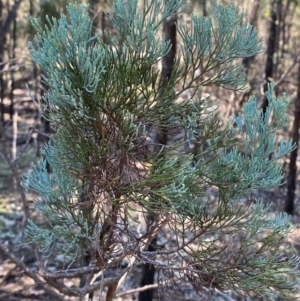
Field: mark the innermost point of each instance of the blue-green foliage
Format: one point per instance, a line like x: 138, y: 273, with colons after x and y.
x: 101, y: 101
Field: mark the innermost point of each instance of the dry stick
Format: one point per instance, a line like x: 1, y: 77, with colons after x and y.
x: 141, y: 289
x: 11, y: 68
x: 137, y: 290
x: 293, y: 64
x: 31, y: 274
x: 69, y: 273
x: 122, y: 279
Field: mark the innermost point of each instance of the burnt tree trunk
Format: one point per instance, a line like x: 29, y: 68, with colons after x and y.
x: 292, y: 174
x: 253, y: 16
x: 204, y: 8
x: 270, y: 52
x: 169, y: 28
x: 253, y: 20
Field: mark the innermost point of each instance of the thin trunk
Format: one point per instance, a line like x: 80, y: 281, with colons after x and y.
x: 292, y: 174
x: 5, y: 26
x: 169, y: 28
x: 204, y: 7
x: 35, y: 70
x: 247, y: 62
x: 270, y: 52
x: 1, y: 62
x: 104, y: 26
x: 278, y: 37
x: 253, y: 20
x: 13, y: 40
x: 287, y: 25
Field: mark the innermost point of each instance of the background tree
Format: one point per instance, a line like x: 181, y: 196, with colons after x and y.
x: 6, y: 21
x: 271, y: 49
x: 161, y: 139
x: 291, y: 179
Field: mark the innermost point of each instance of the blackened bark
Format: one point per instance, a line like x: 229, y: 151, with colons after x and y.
x: 253, y: 20
x: 204, y: 7
x: 270, y: 52
x: 148, y: 274
x: 169, y: 28
x: 292, y: 174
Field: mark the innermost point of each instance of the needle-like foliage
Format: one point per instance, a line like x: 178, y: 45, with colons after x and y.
x: 105, y: 100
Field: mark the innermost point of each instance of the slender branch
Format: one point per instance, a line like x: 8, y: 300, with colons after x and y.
x: 285, y: 74
x: 292, y: 65
x: 70, y: 273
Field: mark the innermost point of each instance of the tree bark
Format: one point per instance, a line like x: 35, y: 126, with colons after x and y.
x: 253, y: 20
x: 270, y: 52
x: 204, y: 7
x: 292, y: 174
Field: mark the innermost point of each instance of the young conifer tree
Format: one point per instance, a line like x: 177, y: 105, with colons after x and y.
x: 104, y: 102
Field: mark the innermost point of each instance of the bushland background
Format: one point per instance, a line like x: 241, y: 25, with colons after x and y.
x: 21, y: 91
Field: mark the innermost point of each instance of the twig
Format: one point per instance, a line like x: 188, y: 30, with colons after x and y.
x: 70, y: 273
x: 293, y: 64
x: 11, y: 68
x: 285, y: 74
x: 137, y: 290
